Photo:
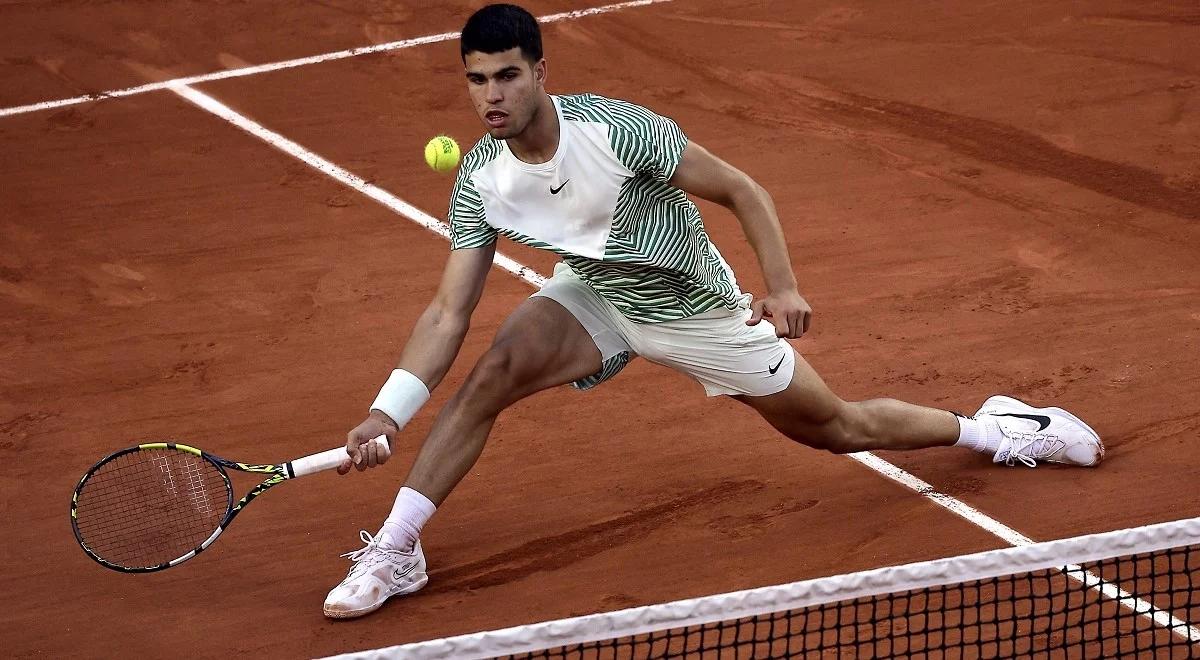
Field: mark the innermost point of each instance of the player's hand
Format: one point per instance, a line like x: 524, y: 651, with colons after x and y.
x: 361, y: 453
x: 788, y: 310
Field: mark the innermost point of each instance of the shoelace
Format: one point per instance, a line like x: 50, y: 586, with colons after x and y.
x: 370, y: 553
x: 1025, y: 446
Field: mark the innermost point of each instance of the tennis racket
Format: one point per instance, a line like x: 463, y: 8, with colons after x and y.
x: 157, y: 505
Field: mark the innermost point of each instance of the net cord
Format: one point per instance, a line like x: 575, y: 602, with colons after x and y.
x: 1068, y: 553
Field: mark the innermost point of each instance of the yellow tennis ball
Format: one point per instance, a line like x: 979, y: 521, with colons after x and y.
x: 442, y: 153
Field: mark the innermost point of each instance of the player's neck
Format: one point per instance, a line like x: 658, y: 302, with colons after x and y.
x: 539, y: 141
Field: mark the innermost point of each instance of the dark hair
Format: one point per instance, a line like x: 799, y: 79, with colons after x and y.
x: 497, y: 28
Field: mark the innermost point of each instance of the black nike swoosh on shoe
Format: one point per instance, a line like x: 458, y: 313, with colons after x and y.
x: 397, y: 574
x: 1042, y: 420
x: 554, y: 191
x: 776, y: 367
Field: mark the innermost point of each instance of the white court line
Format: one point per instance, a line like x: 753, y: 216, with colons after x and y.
x: 345, y: 176
x: 1087, y: 578
x: 959, y: 508
x: 302, y: 61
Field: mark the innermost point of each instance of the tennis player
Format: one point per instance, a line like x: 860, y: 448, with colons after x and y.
x: 604, y: 184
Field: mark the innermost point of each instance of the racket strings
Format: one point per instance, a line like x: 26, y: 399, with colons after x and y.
x: 148, y: 507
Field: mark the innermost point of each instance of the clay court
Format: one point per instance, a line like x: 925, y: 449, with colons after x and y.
x: 978, y: 198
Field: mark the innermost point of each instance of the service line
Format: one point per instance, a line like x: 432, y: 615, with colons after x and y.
x: 302, y: 61
x: 206, y: 102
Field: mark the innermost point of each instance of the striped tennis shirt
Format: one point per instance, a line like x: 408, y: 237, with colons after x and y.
x: 604, y: 205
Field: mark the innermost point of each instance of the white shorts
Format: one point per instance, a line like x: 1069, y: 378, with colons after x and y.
x: 716, y: 348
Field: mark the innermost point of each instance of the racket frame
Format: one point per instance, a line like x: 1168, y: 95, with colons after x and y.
x: 278, y: 474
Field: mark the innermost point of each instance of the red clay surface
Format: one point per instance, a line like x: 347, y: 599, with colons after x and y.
x: 997, y: 199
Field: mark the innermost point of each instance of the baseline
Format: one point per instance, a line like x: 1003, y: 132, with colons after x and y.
x: 301, y: 61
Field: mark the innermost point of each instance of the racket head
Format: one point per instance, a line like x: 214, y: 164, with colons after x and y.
x: 149, y: 507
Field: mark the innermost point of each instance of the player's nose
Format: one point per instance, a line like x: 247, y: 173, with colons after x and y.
x: 493, y: 93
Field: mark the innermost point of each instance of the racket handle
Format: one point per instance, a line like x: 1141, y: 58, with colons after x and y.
x: 326, y: 460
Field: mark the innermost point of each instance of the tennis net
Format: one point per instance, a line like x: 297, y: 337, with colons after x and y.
x: 1123, y: 593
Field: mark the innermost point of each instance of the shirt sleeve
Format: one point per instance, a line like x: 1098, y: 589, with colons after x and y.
x: 468, y: 225
x: 645, y: 142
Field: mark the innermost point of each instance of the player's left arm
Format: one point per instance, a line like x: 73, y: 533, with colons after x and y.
x: 704, y: 175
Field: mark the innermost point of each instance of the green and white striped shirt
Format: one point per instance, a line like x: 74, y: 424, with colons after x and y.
x: 603, y: 203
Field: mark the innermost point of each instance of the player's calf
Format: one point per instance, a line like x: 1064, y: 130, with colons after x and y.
x: 844, y: 427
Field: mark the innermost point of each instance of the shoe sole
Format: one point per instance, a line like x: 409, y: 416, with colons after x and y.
x: 412, y: 587
x: 1008, y: 400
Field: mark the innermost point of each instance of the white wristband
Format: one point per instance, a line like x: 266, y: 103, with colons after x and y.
x: 401, y: 397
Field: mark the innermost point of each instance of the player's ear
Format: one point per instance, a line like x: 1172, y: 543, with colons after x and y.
x: 539, y: 72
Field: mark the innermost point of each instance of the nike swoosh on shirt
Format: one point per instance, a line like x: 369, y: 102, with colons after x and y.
x: 554, y: 191
x: 1042, y: 420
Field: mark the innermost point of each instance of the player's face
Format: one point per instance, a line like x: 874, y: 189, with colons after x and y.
x: 505, y: 89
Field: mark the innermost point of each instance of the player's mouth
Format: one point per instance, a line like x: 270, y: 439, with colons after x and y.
x: 495, y: 118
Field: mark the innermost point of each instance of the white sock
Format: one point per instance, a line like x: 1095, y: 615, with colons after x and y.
x: 403, y: 525
x: 982, y: 435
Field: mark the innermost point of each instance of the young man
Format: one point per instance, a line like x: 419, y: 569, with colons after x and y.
x: 603, y: 184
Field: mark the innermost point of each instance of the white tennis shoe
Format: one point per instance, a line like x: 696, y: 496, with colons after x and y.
x: 1052, y: 435
x: 377, y: 575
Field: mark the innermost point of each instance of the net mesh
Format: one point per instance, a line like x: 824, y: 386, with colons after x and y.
x: 1117, y: 594
x: 144, y: 508
x: 1048, y: 612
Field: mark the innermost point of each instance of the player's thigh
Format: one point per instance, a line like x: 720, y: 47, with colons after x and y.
x: 804, y: 409
x: 541, y: 345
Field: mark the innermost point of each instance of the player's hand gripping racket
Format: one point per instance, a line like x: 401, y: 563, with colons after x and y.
x: 157, y: 505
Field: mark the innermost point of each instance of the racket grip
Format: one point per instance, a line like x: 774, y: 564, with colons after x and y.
x: 326, y: 460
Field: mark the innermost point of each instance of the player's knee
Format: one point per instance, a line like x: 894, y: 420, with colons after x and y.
x: 844, y: 433
x: 494, y: 372
x: 833, y: 438
x: 496, y: 376
x: 828, y: 436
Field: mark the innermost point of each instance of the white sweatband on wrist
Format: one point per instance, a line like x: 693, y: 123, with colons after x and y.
x: 401, y: 397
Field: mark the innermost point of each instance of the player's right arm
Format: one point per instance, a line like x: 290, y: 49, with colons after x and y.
x: 431, y: 349
x: 440, y: 330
